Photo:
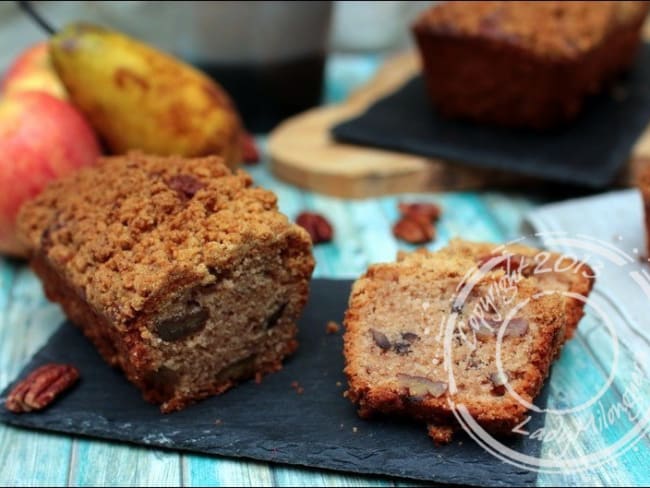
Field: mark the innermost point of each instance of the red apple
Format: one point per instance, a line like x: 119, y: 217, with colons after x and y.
x: 33, y: 71
x: 41, y: 138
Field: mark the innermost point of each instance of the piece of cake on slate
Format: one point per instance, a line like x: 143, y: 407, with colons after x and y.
x: 179, y: 271
x: 422, y: 334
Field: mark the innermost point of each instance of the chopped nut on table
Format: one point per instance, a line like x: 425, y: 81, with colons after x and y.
x: 416, y: 224
x: 316, y: 225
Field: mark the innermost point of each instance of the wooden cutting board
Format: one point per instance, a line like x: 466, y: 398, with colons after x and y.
x: 304, y: 153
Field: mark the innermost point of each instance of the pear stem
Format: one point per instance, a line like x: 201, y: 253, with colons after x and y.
x: 36, y: 17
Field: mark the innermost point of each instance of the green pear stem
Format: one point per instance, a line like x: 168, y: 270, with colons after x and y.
x: 36, y: 17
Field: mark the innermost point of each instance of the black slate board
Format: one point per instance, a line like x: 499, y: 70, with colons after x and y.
x: 269, y: 421
x: 590, y: 151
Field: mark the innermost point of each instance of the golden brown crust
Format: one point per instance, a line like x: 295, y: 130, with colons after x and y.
x: 123, y: 235
x: 553, y: 29
x: 387, y: 302
x: 177, y: 270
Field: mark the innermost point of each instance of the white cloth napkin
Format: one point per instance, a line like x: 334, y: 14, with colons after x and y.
x: 607, y: 231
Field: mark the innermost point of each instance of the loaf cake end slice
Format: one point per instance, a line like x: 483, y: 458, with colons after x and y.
x: 404, y: 356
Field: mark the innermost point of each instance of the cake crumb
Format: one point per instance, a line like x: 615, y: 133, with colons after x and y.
x: 258, y: 377
x: 354, y: 429
x: 339, y: 384
x: 296, y: 386
x: 332, y: 327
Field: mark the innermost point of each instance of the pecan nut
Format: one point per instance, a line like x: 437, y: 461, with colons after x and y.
x: 414, y: 230
x: 419, y: 386
x: 429, y: 211
x: 319, y: 229
x: 41, y: 387
x: 185, y: 185
x: 250, y: 153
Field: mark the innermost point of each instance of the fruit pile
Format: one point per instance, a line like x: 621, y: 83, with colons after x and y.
x: 91, y: 90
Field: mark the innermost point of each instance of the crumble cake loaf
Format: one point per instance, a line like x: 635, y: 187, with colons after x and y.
x: 394, y: 343
x: 179, y: 271
x: 528, y: 64
x: 551, y: 271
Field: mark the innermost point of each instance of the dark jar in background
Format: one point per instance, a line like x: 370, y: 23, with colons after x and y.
x: 269, y: 56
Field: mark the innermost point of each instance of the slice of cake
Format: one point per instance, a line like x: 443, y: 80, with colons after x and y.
x: 422, y: 333
x: 179, y: 271
x: 551, y: 271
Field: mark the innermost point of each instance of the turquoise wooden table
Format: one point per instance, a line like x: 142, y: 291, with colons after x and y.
x: 363, y: 236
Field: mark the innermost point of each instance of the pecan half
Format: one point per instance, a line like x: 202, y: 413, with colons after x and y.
x: 318, y: 227
x: 41, y: 387
x: 414, y: 230
x: 181, y: 326
x: 429, y: 211
x: 410, y: 337
x: 380, y: 339
x: 250, y: 153
x: 185, y: 185
x: 419, y: 386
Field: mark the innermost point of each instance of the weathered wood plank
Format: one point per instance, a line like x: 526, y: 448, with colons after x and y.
x: 211, y: 471
x: 98, y: 463
x: 310, y: 477
x: 26, y: 321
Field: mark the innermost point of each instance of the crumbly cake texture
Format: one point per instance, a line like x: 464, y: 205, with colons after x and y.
x: 396, y: 328
x: 527, y: 64
x: 179, y: 271
x: 550, y: 271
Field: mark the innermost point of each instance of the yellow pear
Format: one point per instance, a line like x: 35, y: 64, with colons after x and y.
x: 137, y: 97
